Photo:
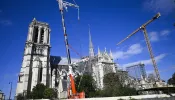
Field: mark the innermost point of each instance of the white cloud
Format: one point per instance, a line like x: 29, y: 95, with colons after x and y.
x: 163, y: 6
x: 132, y: 50
x: 146, y: 62
x: 164, y: 32
x: 118, y: 55
x: 5, y: 22
x: 154, y: 36
x: 65, y: 62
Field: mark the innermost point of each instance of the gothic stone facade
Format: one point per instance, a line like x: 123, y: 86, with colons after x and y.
x: 98, y: 66
x: 35, y: 65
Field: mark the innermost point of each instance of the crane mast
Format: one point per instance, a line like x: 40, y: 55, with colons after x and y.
x: 151, y: 53
x: 143, y: 27
x: 63, y: 4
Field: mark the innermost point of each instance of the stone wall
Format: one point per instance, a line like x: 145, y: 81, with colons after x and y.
x: 140, y: 97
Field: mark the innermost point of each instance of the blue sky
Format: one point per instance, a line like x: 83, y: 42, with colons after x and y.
x: 110, y: 21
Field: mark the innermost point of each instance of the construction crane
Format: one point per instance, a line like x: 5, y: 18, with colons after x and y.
x: 71, y: 85
x: 63, y: 4
x: 143, y: 28
x: 72, y: 93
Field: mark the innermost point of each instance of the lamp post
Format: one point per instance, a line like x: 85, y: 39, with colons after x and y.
x: 10, y: 90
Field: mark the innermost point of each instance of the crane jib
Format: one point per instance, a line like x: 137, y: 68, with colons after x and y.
x: 143, y: 27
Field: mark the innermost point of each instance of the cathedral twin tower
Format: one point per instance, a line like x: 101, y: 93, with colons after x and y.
x: 35, y: 65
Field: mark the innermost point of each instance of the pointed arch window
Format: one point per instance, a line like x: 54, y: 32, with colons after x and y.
x: 34, y: 50
x: 42, y: 36
x: 40, y: 74
x: 20, y: 77
x: 35, y: 34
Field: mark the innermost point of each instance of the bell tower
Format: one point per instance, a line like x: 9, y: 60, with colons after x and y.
x: 35, y: 65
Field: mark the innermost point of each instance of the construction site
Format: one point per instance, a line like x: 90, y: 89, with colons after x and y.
x: 40, y: 67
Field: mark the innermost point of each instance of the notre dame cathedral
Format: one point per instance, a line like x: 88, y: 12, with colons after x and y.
x: 35, y: 65
x: 38, y: 66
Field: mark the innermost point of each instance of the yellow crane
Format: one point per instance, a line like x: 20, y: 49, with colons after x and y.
x: 143, y: 28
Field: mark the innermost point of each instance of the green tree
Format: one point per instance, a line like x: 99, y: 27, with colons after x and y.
x: 171, y: 81
x: 20, y: 97
x: 111, y: 80
x: 49, y: 93
x: 111, y: 83
x: 38, y: 91
x: 113, y: 86
x: 87, y: 84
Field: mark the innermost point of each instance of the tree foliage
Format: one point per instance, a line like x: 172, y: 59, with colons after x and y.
x: 49, y: 93
x: 111, y: 80
x: 20, y: 97
x: 40, y: 91
x: 171, y: 81
x: 114, y: 87
x: 87, y: 85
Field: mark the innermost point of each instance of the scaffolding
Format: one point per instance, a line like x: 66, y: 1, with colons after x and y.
x: 137, y: 71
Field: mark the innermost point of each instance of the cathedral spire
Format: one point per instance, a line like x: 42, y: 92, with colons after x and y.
x: 34, y: 19
x: 99, y: 51
x: 91, y: 49
x: 111, y: 54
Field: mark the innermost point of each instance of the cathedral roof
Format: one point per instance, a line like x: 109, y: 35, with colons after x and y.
x: 65, y: 62
x: 55, y: 60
